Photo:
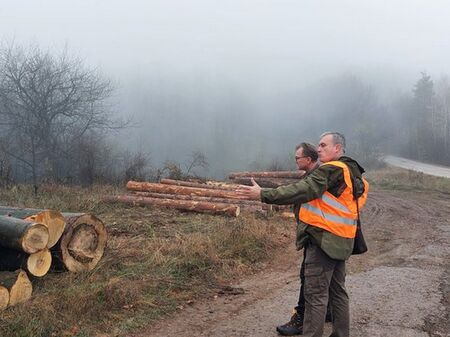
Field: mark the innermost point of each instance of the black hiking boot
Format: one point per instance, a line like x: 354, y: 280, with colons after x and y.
x: 293, y: 327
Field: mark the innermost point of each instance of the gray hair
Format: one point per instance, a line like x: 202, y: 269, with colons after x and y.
x: 338, y: 138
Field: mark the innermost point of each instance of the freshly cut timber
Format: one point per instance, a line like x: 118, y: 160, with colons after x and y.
x: 22, y: 235
x: 187, y: 205
x: 53, y: 220
x: 82, y: 244
x: 199, y: 185
x: 287, y: 215
x: 273, y: 174
x: 36, y: 264
x: 18, y: 285
x: 265, y: 182
x: 171, y: 189
x: 217, y: 183
x: 4, y: 297
x: 244, y: 204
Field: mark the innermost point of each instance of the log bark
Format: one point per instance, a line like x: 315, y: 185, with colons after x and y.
x: 244, y: 204
x: 273, y: 174
x: 82, y: 244
x: 182, y: 190
x: 53, y: 220
x: 23, y: 235
x: 186, y: 205
x: 265, y: 182
x: 206, y: 185
x: 36, y: 264
x: 18, y: 285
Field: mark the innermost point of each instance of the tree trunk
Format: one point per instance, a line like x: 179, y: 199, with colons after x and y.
x: 209, y: 186
x: 265, y: 182
x: 22, y: 235
x: 36, y: 264
x: 18, y: 285
x: 82, y: 244
x: 273, y: 174
x: 187, y: 205
x: 170, y: 189
x: 53, y: 220
x: 244, y: 204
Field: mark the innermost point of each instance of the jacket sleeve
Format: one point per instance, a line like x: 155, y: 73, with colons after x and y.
x: 303, y: 191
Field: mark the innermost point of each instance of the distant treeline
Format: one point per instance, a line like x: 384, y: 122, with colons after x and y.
x: 57, y: 123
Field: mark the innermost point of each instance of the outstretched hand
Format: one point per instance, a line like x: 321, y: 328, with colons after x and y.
x: 249, y: 192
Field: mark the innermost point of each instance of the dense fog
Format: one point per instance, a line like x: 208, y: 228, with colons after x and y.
x: 235, y: 85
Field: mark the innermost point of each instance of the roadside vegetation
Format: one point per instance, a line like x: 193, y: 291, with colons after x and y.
x: 407, y: 180
x: 157, y: 262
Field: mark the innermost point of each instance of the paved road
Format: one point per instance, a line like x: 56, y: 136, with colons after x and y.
x: 435, y: 170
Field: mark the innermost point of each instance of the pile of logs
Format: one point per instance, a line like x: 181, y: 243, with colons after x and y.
x: 33, y: 241
x: 205, y: 197
x: 271, y: 179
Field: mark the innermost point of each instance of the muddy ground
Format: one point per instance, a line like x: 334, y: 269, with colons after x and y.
x: 401, y: 287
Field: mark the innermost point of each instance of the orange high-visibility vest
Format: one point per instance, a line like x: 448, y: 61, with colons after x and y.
x: 335, y: 215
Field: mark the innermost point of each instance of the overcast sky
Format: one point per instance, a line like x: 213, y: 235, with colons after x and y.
x: 259, y: 50
x: 235, y: 36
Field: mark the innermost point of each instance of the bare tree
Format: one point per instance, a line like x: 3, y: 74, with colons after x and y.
x: 196, y: 159
x: 46, y: 104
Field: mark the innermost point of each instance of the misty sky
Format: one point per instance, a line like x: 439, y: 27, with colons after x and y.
x: 254, y: 49
x: 238, y: 35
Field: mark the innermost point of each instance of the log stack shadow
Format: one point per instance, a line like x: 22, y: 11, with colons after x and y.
x: 36, y: 241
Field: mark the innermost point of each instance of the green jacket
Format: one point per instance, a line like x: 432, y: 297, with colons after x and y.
x: 325, y: 178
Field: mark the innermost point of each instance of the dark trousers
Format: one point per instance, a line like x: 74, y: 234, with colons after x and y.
x: 324, y: 281
x: 300, y: 308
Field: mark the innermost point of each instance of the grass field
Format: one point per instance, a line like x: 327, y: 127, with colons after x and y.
x: 156, y: 262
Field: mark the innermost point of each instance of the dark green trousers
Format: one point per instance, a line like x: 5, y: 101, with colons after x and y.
x: 325, y: 280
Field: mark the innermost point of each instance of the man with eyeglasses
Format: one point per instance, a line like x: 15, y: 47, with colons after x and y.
x: 306, y: 158
x: 326, y: 229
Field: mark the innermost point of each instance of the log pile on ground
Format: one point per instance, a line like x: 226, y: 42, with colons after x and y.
x: 205, y: 196
x: 271, y: 179
x: 34, y: 241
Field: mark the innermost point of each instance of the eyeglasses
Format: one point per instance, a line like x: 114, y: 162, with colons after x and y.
x: 297, y: 158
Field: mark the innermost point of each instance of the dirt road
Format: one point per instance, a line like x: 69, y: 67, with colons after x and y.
x: 401, y: 287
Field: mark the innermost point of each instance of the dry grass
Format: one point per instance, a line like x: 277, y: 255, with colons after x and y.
x: 407, y: 180
x: 156, y: 260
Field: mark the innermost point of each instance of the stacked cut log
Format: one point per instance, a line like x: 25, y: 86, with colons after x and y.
x: 206, y: 196
x: 267, y: 179
x: 203, y: 197
x: 34, y: 240
x: 15, y: 288
x: 82, y: 244
x: 24, y: 243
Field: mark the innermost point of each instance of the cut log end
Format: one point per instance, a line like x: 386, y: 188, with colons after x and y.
x: 21, y: 290
x: 38, y: 264
x: 83, y: 244
x: 4, y: 297
x: 55, y: 223
x: 35, y: 238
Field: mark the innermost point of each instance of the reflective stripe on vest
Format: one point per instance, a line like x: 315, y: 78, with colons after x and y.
x: 335, y: 215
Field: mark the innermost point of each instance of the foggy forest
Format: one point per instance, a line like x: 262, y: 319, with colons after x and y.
x: 68, y: 117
